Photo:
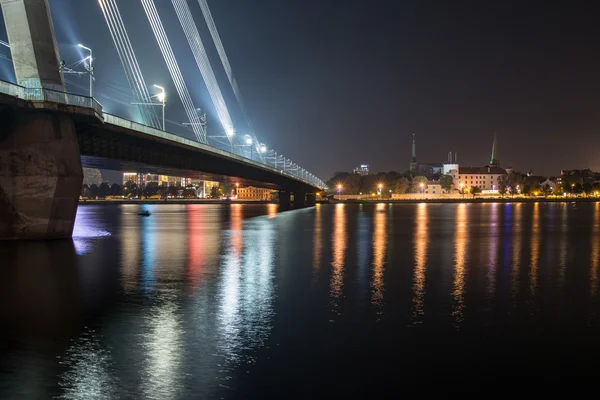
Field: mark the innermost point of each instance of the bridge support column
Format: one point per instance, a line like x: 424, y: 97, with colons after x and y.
x: 32, y: 42
x: 40, y: 175
x: 284, y: 199
x: 299, y: 199
x: 311, y: 199
x: 40, y: 165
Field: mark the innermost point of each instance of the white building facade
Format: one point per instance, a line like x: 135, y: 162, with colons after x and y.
x: 485, y: 178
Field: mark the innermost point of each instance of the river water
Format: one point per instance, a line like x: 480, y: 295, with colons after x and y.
x: 240, y: 301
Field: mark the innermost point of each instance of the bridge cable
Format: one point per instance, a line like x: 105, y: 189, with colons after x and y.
x: 227, y: 66
x: 195, y: 41
x: 129, y: 61
x: 173, y: 67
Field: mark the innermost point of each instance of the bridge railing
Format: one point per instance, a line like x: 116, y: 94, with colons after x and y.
x: 55, y: 96
x: 136, y: 126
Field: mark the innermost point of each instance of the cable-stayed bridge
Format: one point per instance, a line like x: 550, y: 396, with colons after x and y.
x: 47, y: 134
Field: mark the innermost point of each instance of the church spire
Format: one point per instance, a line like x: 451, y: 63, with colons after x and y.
x: 413, y: 162
x: 494, y: 159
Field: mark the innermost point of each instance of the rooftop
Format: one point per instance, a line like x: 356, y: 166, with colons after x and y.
x: 488, y: 169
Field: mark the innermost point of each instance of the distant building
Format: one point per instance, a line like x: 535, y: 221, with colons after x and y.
x: 253, y: 193
x: 485, y: 178
x: 433, y: 187
x: 207, y: 186
x: 362, y: 170
x: 430, y: 170
x: 129, y: 177
x: 550, y: 182
x: 447, y: 168
x: 142, y: 179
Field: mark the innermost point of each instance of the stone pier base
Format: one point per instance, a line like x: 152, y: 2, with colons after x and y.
x: 40, y: 175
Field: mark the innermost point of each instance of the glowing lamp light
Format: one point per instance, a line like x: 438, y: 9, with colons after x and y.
x: 248, y: 140
x: 262, y: 148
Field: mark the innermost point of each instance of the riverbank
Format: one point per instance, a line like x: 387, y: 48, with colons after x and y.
x: 476, y: 200
x: 353, y: 201
x: 172, y: 201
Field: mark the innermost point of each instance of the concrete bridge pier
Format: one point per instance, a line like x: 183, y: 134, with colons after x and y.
x: 285, y: 200
x: 299, y: 199
x: 311, y: 199
x: 40, y: 164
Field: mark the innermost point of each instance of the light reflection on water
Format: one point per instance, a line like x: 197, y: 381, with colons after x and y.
x: 420, y: 246
x: 535, y: 248
x: 339, y: 244
x: 595, y: 253
x: 379, y: 250
x: 198, y: 300
x: 461, y: 239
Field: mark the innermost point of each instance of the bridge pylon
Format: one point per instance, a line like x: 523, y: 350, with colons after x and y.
x: 40, y: 164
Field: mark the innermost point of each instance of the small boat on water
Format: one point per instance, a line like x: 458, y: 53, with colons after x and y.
x: 144, y: 213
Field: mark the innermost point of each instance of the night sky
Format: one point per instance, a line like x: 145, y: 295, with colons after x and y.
x: 333, y: 84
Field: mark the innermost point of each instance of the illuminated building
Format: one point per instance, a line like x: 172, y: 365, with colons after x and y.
x: 485, y: 178
x: 142, y: 179
x: 253, y: 193
x: 129, y: 177
x: 362, y: 170
x: 207, y: 186
x: 432, y: 187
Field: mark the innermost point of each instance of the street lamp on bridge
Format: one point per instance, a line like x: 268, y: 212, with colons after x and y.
x: 91, y: 69
x: 162, y: 97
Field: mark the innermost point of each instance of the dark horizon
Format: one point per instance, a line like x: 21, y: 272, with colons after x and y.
x: 333, y: 87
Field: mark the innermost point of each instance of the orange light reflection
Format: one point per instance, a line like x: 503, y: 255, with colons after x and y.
x: 420, y: 247
x: 595, y: 253
x: 339, y: 243
x: 379, y: 249
x: 460, y: 260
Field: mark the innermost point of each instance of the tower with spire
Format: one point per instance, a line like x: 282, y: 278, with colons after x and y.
x: 413, y: 162
x: 494, y: 162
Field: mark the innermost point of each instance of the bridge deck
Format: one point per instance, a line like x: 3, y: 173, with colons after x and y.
x: 110, y: 142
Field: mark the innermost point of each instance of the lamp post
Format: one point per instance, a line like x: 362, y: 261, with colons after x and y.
x: 262, y: 149
x: 91, y: 70
x: 380, y: 186
x: 162, y: 97
x: 422, y: 194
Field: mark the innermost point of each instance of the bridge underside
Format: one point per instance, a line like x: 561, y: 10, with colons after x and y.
x: 130, y: 166
x: 112, y: 147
